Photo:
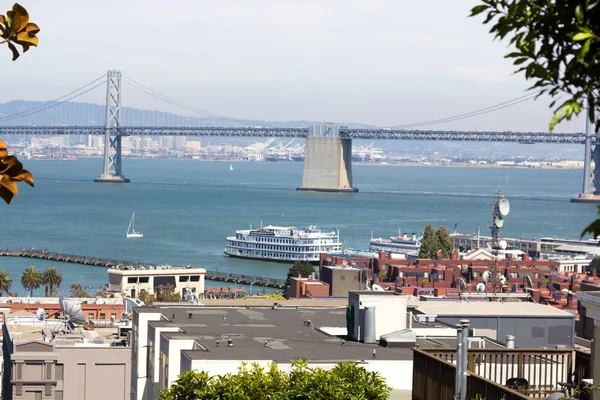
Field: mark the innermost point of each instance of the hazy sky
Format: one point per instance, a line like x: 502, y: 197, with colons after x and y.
x: 378, y: 62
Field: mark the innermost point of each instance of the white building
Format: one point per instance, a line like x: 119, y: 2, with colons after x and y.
x: 133, y: 281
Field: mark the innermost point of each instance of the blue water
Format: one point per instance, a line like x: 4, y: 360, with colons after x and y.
x: 186, y: 208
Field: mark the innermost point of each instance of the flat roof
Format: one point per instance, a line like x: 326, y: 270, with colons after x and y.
x: 21, y: 332
x: 288, y: 337
x: 149, y: 272
x: 489, y: 309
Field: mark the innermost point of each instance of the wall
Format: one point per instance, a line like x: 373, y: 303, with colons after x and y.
x: 95, y: 373
x: 171, y: 348
x: 139, y: 342
x: 529, y: 332
x: 152, y: 389
x: 390, y: 315
x: 398, y: 373
x: 342, y: 280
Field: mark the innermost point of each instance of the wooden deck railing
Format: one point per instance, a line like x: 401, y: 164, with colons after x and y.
x: 433, y: 379
x: 491, y: 368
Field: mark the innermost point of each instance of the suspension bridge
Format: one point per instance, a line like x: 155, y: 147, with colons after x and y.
x: 328, y: 158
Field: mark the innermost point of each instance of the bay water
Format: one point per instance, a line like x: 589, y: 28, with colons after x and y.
x: 186, y: 209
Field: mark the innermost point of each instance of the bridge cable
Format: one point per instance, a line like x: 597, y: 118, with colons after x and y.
x: 475, y: 113
x: 153, y: 93
x: 56, y: 102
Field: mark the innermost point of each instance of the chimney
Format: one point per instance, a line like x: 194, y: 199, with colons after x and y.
x: 453, y: 256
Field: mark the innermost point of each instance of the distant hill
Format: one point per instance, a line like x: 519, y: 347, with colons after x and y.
x: 21, y: 112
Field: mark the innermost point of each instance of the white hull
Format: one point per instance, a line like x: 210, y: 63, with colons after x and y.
x: 135, y: 235
x: 282, y: 244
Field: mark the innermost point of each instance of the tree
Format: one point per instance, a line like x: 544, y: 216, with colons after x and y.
x: 300, y: 268
x: 167, y: 294
x: 429, y: 243
x: 16, y: 28
x: 595, y: 263
x: 445, y: 244
x: 11, y: 172
x: 344, y: 381
x: 31, y: 279
x: 77, y: 290
x: 5, y: 282
x: 557, y: 45
x: 50, y: 279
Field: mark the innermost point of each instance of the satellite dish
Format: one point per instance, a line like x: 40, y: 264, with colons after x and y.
x: 72, y: 311
x: 40, y: 314
x: 529, y: 282
x: 480, y: 287
x: 462, y: 284
x: 502, y: 279
x: 503, y: 207
x: 502, y: 244
x: 565, y: 290
x: 377, y: 288
x: 486, y: 276
x: 499, y: 221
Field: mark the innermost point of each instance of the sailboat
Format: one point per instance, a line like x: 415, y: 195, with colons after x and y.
x: 230, y: 167
x: 131, y: 233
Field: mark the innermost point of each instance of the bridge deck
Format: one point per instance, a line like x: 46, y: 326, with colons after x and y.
x: 345, y: 133
x: 108, y: 263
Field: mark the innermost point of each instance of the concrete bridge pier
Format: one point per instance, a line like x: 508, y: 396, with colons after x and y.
x: 590, y: 192
x: 327, y: 160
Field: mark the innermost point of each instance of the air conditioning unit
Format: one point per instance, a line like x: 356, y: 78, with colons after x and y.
x: 426, y: 318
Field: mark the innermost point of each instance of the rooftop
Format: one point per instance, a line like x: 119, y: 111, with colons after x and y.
x: 31, y: 329
x: 156, y: 271
x: 489, y: 308
x: 284, y: 329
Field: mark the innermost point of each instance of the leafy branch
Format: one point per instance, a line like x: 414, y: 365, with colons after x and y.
x: 556, y: 44
x: 15, y: 28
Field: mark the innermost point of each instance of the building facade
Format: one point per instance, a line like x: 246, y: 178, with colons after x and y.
x: 132, y: 282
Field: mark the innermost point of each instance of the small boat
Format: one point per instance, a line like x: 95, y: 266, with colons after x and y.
x: 131, y: 233
x: 230, y: 167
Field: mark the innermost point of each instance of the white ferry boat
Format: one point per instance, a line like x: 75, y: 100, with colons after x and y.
x: 283, y: 243
x: 406, y: 245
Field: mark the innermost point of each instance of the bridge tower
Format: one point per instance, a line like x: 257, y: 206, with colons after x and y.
x: 590, y: 192
x: 327, y: 160
x: 113, y: 169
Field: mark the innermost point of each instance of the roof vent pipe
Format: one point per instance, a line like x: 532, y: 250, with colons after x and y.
x: 370, y: 336
x: 510, y: 342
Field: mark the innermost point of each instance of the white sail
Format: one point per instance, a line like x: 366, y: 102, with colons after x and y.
x: 230, y: 167
x: 131, y: 233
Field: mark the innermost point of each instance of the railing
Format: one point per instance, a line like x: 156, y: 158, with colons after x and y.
x: 433, y: 379
x: 542, y: 368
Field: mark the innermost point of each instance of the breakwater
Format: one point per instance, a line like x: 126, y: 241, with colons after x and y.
x: 42, y: 254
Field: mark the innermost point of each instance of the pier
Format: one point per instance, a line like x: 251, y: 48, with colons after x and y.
x: 42, y: 254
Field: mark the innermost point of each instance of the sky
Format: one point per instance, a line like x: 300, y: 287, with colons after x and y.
x: 384, y: 63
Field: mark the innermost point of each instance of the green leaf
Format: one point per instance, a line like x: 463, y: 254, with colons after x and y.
x: 520, y: 61
x: 8, y: 20
x: 582, y: 36
x: 584, y: 50
x: 579, y: 14
x: 478, y: 9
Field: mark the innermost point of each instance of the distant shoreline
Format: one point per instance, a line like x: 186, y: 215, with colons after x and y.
x: 368, y: 164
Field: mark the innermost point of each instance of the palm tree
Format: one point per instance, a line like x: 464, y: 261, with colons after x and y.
x: 5, y: 282
x: 31, y: 279
x: 52, y: 278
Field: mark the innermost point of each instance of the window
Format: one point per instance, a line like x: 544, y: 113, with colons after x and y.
x: 113, y: 315
x: 144, y: 279
x: 102, y: 315
x: 184, y: 278
x: 91, y: 315
x: 195, y: 278
x: 132, y: 279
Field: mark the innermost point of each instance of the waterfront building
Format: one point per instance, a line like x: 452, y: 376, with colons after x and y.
x: 47, y: 359
x: 283, y: 243
x: 132, y: 281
